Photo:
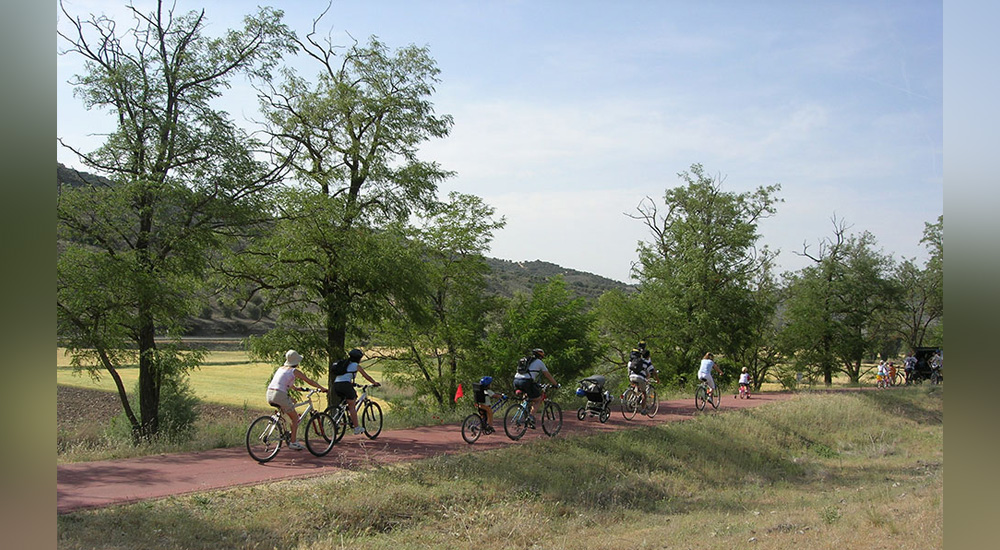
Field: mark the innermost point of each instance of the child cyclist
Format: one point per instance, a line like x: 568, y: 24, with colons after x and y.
x: 745, y: 382
x: 483, y: 398
x: 882, y: 375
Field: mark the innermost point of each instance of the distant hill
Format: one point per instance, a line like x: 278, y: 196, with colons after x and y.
x: 507, y: 278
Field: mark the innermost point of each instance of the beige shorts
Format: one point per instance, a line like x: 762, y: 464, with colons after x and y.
x: 280, y: 398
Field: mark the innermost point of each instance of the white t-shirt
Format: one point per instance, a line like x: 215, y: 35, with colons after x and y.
x: 352, y: 370
x: 706, y: 368
x: 534, y: 368
x: 283, y: 379
x: 744, y: 378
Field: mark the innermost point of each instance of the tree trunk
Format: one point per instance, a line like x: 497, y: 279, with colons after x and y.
x: 150, y: 378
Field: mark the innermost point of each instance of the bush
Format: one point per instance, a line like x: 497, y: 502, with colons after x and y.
x: 178, y: 412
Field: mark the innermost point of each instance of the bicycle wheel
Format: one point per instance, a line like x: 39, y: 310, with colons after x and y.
x: 551, y: 418
x: 472, y: 428
x: 898, y: 379
x: 700, y: 397
x: 715, y: 398
x: 630, y: 404
x: 581, y: 413
x: 652, y: 403
x: 321, y: 434
x: 341, y: 422
x: 263, y: 438
x: 371, y: 419
x: 514, y: 420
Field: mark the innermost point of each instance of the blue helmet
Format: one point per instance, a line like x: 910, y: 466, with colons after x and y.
x: 580, y: 392
x: 485, y: 381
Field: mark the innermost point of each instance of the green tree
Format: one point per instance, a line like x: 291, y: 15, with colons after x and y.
x: 551, y: 319
x: 841, y: 309
x: 340, y: 246
x: 435, y: 348
x: 698, y: 271
x: 761, y: 353
x: 181, y: 177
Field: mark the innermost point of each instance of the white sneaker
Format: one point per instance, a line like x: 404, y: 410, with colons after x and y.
x: 296, y: 446
x: 359, y: 430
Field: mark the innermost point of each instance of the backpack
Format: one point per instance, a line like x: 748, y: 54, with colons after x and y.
x: 636, y: 365
x: 523, y: 364
x: 340, y: 367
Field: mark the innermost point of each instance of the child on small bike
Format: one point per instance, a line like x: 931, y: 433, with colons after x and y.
x: 745, y: 383
x: 483, y: 398
x: 882, y: 375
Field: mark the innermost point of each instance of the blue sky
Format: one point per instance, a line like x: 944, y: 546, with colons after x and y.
x: 568, y: 114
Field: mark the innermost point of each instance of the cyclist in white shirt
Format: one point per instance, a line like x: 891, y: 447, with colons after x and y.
x: 277, y: 391
x: 705, y: 371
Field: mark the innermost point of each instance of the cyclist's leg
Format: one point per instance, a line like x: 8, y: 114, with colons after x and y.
x: 489, y: 412
x: 711, y: 383
x: 281, y: 400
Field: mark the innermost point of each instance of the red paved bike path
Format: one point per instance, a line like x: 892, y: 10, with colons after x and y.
x: 103, y: 483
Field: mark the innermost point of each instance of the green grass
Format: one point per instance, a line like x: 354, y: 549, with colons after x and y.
x: 847, y: 470
x: 225, y: 377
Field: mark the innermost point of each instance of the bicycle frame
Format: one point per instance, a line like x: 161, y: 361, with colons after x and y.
x: 358, y: 403
x: 280, y: 414
x: 494, y: 407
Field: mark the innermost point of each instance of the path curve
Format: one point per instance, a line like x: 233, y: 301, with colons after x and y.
x: 84, y: 485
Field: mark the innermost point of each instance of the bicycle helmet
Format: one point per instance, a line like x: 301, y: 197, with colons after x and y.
x: 485, y: 381
x: 539, y: 352
x: 580, y: 392
x: 355, y: 355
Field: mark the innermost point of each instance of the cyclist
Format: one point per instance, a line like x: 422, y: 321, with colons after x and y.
x: 882, y: 375
x: 526, y: 380
x: 745, y: 380
x: 277, y: 391
x: 343, y: 386
x: 483, y: 396
x: 641, y: 373
x: 705, y: 371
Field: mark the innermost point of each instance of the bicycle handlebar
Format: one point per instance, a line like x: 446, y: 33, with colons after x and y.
x: 311, y: 390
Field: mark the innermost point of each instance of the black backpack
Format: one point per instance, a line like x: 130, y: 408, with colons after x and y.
x: 636, y: 364
x: 524, y: 363
x: 340, y: 367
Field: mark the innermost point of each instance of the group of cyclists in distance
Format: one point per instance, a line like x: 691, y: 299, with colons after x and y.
x: 527, y: 381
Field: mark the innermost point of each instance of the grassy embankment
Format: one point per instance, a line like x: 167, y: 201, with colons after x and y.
x: 838, y: 470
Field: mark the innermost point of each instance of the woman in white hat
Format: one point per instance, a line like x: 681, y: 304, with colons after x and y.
x: 277, y: 391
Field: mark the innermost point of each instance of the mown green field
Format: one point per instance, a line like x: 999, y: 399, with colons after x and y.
x: 225, y: 377
x: 821, y: 471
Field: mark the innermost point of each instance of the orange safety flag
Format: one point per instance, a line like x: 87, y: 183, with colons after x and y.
x: 458, y: 393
